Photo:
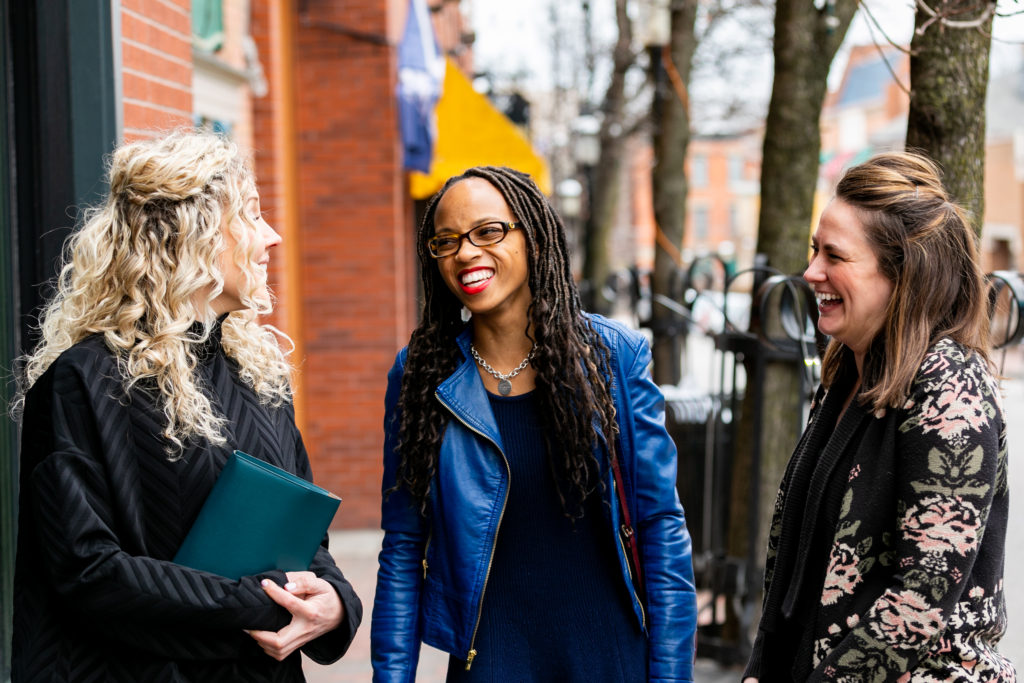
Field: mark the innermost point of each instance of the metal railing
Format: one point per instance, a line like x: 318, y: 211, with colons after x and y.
x: 780, y: 327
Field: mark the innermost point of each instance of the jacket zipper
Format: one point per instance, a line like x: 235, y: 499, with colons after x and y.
x: 632, y: 579
x: 471, y: 655
x: 426, y: 547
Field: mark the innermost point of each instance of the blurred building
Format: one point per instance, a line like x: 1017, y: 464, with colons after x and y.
x: 868, y: 114
x: 723, y: 174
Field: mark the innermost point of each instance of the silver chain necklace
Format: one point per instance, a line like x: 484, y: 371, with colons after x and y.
x: 504, y: 386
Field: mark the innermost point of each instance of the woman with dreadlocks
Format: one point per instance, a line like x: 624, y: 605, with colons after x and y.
x: 525, y: 460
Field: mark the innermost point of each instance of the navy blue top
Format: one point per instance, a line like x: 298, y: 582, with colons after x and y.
x: 555, y: 607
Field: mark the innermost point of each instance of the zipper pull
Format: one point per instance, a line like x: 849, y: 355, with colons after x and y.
x: 469, y: 659
x: 424, y: 568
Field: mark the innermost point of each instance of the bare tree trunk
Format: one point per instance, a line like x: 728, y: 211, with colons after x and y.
x: 806, y: 40
x: 604, y: 190
x: 671, y: 118
x: 948, y: 81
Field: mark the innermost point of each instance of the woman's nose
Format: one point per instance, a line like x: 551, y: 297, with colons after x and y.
x: 271, y: 237
x: 813, y: 272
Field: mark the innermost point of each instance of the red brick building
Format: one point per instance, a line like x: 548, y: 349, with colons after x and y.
x: 308, y: 86
x: 156, y: 65
x: 329, y: 161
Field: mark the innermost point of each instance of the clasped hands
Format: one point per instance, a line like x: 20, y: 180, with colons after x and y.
x: 315, y: 609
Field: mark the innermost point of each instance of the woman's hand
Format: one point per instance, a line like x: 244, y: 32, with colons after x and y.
x: 750, y: 679
x: 315, y: 608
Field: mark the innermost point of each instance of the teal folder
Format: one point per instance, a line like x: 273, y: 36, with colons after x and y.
x: 257, y: 518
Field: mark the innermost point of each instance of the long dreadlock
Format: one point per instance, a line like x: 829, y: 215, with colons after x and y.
x: 572, y: 362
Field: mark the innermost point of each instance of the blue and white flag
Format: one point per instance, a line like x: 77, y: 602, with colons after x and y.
x: 420, y: 75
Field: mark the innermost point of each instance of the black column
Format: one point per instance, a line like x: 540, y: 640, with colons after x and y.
x: 58, y: 117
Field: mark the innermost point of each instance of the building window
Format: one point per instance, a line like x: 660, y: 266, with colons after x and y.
x: 699, y: 170
x: 700, y: 223
x: 1001, y: 256
x: 735, y: 169
x: 208, y: 24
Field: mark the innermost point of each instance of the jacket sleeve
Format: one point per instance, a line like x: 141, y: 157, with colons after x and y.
x: 329, y: 647
x: 950, y: 442
x: 661, y: 528
x: 395, y: 631
x: 155, y: 605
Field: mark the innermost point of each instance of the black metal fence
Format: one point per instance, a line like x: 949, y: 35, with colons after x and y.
x: 778, y: 325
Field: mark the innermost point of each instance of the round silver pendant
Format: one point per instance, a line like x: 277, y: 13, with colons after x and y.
x: 504, y: 387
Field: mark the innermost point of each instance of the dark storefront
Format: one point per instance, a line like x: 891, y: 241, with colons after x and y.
x: 59, y: 120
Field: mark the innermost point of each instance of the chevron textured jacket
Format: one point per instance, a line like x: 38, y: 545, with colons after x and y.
x: 102, y: 512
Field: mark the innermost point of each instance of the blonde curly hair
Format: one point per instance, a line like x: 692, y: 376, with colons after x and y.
x: 143, y: 269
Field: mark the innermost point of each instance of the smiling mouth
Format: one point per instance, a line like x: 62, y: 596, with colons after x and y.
x: 475, y: 277
x: 825, y: 299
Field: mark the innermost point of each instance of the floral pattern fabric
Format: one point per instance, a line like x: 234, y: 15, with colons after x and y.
x: 913, y: 589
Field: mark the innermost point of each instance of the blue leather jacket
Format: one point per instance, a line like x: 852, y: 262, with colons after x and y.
x: 432, y: 576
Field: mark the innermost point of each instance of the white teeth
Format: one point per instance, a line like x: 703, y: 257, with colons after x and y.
x: 477, y: 276
x: 825, y: 296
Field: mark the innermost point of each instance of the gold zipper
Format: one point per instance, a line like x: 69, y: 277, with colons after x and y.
x: 471, y: 655
x: 426, y: 547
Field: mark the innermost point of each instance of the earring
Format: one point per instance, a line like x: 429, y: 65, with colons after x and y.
x: 466, y: 314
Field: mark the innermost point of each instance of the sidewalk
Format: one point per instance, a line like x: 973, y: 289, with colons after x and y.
x: 356, y: 554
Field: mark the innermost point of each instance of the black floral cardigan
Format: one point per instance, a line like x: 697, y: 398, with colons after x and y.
x: 910, y: 508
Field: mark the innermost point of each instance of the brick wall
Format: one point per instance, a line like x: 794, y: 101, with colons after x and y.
x: 156, y: 56
x: 355, y: 234
x: 267, y: 120
x: 353, y: 221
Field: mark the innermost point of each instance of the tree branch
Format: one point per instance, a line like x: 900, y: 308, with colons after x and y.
x: 943, y: 18
x: 873, y: 20
x: 882, y: 54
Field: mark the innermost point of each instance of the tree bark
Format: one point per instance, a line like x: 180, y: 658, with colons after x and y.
x: 671, y: 119
x: 806, y: 40
x: 804, y: 46
x: 948, y: 82
x: 604, y: 194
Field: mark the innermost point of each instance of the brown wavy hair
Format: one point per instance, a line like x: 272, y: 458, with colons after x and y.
x: 927, y: 249
x: 572, y: 362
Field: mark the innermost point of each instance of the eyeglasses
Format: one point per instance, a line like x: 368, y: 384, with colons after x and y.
x: 481, y: 236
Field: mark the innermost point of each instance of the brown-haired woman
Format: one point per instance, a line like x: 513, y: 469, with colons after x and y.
x: 885, y: 557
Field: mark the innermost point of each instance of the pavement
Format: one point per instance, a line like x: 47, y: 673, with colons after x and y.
x: 356, y: 553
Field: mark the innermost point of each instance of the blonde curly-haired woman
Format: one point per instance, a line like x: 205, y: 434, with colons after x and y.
x: 152, y: 368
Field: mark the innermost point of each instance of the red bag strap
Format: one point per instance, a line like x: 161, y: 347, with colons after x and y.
x: 627, y: 530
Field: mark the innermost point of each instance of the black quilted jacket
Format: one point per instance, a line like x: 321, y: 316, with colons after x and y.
x: 103, y: 511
